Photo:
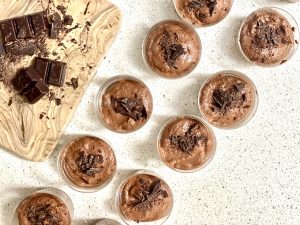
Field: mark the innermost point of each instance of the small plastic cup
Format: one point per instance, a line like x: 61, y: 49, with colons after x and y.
x: 107, y: 222
x: 199, y: 24
x: 252, y: 110
x: 172, y: 74
x: 211, y: 140
x: 127, y: 127
x: 290, y: 51
x: 57, y: 193
x: 66, y: 176
x: 118, y: 200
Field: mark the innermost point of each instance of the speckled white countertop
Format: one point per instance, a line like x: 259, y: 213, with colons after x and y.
x: 254, y: 177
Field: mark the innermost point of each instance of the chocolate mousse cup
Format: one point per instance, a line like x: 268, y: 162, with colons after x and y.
x: 47, y: 206
x: 124, y: 104
x: 228, y: 100
x: 172, y: 49
x: 202, y: 13
x: 268, y: 37
x: 186, y: 144
x: 87, y: 164
x: 144, y: 198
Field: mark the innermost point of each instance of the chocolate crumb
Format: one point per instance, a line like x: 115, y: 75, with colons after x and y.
x: 41, y: 116
x: 293, y: 29
x: 73, y: 83
x: 10, y: 102
x: 51, y: 95
x: 58, y: 101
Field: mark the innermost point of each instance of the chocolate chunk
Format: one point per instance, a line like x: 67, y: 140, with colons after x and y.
x: 149, y: 194
x: 57, y: 73
x: 24, y: 28
x: 8, y: 30
x: 35, y: 93
x: 24, y: 80
x: 240, y: 87
x: 52, y: 72
x: 21, y: 49
x: 42, y: 214
x: 90, y: 164
x: 41, y: 116
x: 134, y: 108
x: 39, y: 22
x: 73, y: 83
x: 10, y: 102
x: 2, y: 49
x: 56, y: 26
x: 58, y: 101
x: 187, y: 142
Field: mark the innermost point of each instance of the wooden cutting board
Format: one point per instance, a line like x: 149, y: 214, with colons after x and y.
x: 22, y: 130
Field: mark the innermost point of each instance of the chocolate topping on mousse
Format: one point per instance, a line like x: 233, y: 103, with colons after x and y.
x: 233, y: 97
x: 145, y: 198
x: 267, y: 38
x: 90, y: 164
x: 196, y: 5
x: 133, y: 108
x: 187, y: 142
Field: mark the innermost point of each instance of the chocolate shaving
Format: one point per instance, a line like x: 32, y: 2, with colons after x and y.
x: 268, y: 36
x: 234, y: 97
x: 132, y: 107
x: 42, y: 214
x: 86, y: 8
x: 90, y: 164
x: 149, y: 195
x: 198, y: 5
x: 171, y: 51
x: 10, y: 102
x: 188, y: 141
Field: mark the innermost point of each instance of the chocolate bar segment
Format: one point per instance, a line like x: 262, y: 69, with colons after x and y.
x: 36, y: 92
x: 42, y: 67
x: 24, y: 28
x: 8, y: 30
x: 39, y: 22
x: 52, y: 72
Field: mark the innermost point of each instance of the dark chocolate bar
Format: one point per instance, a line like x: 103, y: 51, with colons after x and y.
x: 51, y: 71
x: 24, y: 27
x: 25, y: 79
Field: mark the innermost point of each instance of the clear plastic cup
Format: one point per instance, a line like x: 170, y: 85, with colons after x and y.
x: 57, y: 193
x: 191, y: 63
x: 118, y: 199
x: 128, y: 126
x: 71, y: 183
x: 197, y: 23
x: 252, y: 109
x: 188, y: 159
x: 107, y: 222
x: 291, y: 50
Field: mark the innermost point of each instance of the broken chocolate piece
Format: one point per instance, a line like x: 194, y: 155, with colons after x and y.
x: 73, y: 83
x: 51, y: 71
x: 56, y: 26
x: 25, y: 79
x: 133, y: 108
x: 36, y: 92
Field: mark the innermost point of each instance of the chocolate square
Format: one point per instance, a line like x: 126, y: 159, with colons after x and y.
x: 8, y: 31
x: 42, y: 67
x: 57, y: 73
x: 24, y: 29
x: 39, y: 22
x: 25, y: 79
x: 36, y: 92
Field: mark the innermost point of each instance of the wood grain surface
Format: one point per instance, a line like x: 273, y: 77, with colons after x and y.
x: 22, y: 131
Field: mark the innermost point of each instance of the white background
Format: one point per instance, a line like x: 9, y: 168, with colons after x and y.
x: 255, y: 175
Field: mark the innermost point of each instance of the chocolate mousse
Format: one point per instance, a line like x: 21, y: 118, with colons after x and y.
x: 88, y: 162
x: 186, y: 144
x: 125, y: 104
x: 228, y: 100
x: 267, y: 38
x: 43, y: 208
x: 172, y: 49
x: 145, y: 198
x: 203, y: 12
